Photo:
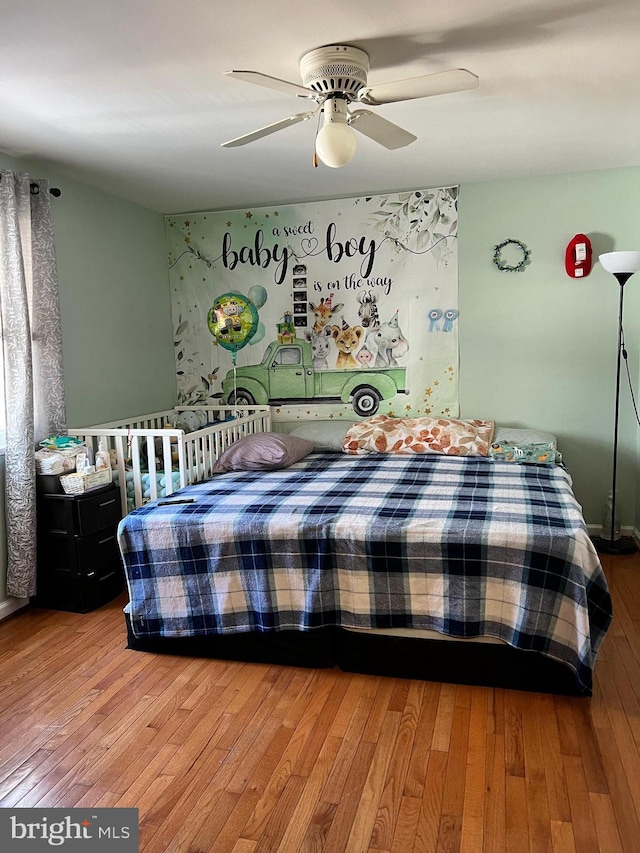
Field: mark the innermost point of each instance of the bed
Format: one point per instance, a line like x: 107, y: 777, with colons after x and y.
x: 363, y: 561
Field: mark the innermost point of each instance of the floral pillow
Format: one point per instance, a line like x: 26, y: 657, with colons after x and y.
x: 383, y: 434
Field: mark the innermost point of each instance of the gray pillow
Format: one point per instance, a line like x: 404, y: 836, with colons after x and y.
x: 325, y: 435
x: 264, y: 451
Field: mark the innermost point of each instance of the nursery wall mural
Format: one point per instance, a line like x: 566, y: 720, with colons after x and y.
x: 325, y: 309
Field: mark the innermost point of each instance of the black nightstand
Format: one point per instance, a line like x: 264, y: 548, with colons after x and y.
x: 79, y: 565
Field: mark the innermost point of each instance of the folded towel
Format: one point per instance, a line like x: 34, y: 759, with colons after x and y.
x: 542, y: 453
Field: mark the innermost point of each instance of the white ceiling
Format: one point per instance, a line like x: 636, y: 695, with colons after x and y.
x: 129, y: 95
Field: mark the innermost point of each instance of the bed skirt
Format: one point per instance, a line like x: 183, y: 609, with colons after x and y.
x: 482, y: 664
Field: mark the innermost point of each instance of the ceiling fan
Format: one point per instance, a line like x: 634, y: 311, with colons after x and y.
x: 334, y: 77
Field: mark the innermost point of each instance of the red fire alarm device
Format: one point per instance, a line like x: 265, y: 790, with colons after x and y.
x: 577, y: 258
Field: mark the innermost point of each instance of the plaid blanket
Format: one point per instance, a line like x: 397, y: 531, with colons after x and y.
x: 466, y: 547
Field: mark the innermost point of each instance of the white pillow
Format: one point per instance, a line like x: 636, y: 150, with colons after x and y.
x: 523, y: 436
x: 325, y: 435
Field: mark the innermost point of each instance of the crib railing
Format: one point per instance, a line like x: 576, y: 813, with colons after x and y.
x: 153, y: 460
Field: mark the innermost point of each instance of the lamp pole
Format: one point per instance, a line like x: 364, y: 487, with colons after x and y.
x: 622, y: 265
x: 619, y: 546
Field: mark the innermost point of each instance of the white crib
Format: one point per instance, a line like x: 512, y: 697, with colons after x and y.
x: 143, y: 473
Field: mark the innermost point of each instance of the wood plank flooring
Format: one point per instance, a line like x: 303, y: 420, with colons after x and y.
x: 247, y: 758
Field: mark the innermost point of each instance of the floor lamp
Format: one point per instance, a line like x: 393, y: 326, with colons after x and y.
x: 622, y: 265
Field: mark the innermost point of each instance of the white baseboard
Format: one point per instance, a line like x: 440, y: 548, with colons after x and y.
x: 11, y: 605
x: 633, y: 532
x: 595, y: 529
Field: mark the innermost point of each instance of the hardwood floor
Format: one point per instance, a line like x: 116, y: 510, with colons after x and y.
x: 248, y: 758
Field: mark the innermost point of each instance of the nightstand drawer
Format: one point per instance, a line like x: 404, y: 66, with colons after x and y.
x: 96, y: 512
x: 79, y: 515
x: 98, y: 553
x: 64, y: 590
x: 97, y: 590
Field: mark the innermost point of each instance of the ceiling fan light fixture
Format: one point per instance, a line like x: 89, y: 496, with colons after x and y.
x: 336, y: 145
x: 335, y: 76
x: 336, y: 142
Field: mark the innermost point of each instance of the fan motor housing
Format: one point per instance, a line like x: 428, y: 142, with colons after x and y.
x: 335, y: 68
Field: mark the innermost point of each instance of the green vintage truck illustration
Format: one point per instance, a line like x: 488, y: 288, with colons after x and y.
x: 286, y: 375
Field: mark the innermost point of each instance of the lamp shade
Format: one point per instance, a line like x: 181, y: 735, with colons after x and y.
x: 620, y: 262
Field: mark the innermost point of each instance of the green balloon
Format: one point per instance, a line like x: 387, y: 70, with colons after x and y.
x: 258, y: 295
x: 259, y: 335
x: 233, y: 321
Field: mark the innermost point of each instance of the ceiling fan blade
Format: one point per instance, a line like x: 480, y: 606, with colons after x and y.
x: 441, y: 83
x: 380, y: 130
x: 271, y: 83
x: 268, y: 129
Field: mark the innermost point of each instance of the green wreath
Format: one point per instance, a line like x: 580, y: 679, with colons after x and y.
x: 504, y: 267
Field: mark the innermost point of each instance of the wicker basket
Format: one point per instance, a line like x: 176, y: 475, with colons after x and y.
x: 78, y: 484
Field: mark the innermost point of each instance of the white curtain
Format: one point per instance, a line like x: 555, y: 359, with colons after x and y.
x: 32, y: 359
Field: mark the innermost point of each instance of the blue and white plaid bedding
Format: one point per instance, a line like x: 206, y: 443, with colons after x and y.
x: 466, y: 547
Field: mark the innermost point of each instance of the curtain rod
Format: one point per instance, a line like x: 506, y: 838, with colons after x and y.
x: 35, y: 189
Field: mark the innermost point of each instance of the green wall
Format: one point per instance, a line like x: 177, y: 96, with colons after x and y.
x: 114, y: 300
x: 538, y: 348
